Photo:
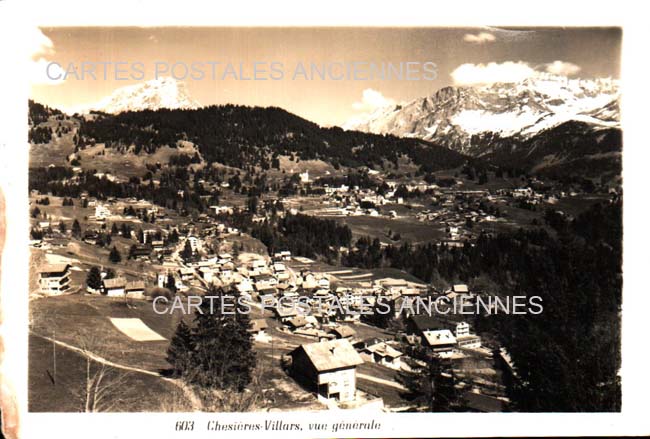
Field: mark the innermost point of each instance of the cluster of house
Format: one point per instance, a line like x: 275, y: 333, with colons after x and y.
x: 120, y: 287
x: 219, y: 269
x: 441, y: 334
x: 54, y: 280
x: 328, y: 366
x: 355, y: 201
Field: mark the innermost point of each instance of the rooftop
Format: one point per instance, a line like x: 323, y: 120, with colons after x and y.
x: 332, y: 354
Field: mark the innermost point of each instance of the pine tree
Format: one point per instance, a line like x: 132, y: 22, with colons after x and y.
x: 132, y: 251
x: 76, y: 229
x: 187, y: 252
x: 171, y: 283
x: 222, y: 355
x: 179, y: 353
x: 115, y: 256
x: 252, y: 203
x: 94, y: 279
x: 432, y: 386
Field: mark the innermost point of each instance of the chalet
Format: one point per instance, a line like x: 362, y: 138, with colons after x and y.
x: 222, y: 209
x: 258, y: 328
x: 135, y: 289
x: 226, y: 271
x: 383, y: 354
x: 324, y: 283
x: 224, y: 258
x: 285, y: 289
x: 328, y: 368
x: 343, y: 331
x: 284, y: 314
x: 267, y: 291
x: 298, y: 322
x: 194, y: 243
x: 279, y: 267
x: 207, y: 274
x: 244, y: 285
x: 258, y: 265
x: 395, y: 287
x: 315, y: 333
x: 101, y: 212
x: 460, y: 289
x: 440, y: 340
x: 115, y: 287
x: 309, y: 281
x: 418, y: 324
x: 186, y: 273
x: 91, y: 237
x: 54, y: 279
x: 470, y: 341
x: 264, y: 281
x: 282, y: 256
x: 140, y: 251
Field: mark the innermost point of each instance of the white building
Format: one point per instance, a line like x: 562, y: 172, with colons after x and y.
x: 115, y: 287
x: 329, y: 368
x: 194, y: 243
x: 54, y: 279
x: 101, y: 212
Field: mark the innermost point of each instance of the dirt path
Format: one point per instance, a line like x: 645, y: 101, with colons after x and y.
x: 189, y: 394
x: 380, y: 381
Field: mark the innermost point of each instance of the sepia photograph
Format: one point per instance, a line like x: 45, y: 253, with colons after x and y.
x: 376, y: 224
x: 318, y: 231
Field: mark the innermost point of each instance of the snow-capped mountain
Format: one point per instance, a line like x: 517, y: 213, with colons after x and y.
x: 164, y: 92
x: 457, y: 117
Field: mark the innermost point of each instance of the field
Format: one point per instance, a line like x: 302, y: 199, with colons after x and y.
x: 409, y: 229
x: 57, y: 377
x: 80, y: 320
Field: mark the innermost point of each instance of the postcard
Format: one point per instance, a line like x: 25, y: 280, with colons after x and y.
x: 327, y: 230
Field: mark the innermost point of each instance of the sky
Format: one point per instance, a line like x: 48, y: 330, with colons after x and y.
x: 462, y: 56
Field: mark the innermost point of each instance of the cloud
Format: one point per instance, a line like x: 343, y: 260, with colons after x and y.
x: 372, y: 100
x: 40, y: 50
x: 480, y: 38
x: 562, y: 68
x: 40, y: 45
x: 39, y: 70
x: 475, y: 74
x: 509, y: 71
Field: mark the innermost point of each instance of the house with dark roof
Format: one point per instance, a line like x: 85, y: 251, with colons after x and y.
x: 328, y: 368
x: 418, y: 323
x: 258, y: 329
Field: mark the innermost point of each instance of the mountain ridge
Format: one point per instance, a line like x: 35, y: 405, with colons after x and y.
x: 452, y: 115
